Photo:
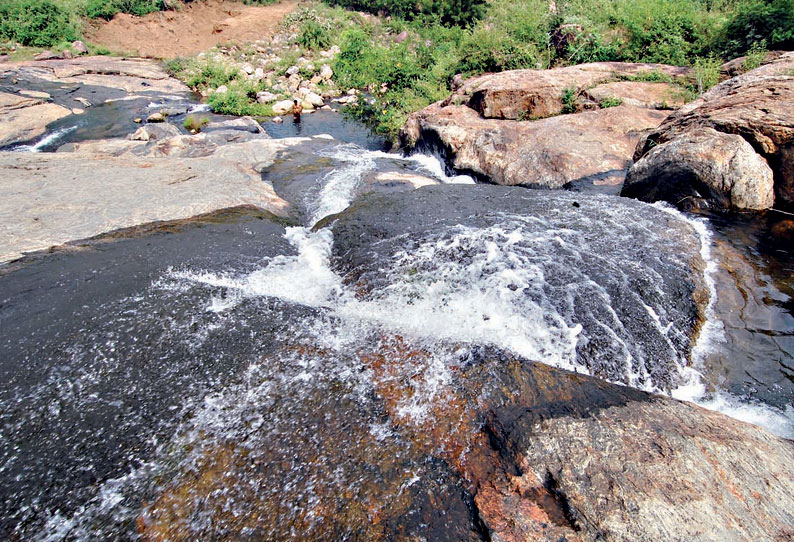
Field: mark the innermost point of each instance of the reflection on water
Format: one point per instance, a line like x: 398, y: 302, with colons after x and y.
x: 755, y: 303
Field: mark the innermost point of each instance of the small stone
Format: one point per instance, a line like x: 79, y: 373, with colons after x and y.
x: 66, y: 55
x: 137, y: 120
x: 259, y: 73
x: 277, y: 120
x: 314, y: 99
x: 401, y: 37
x: 221, y: 89
x: 80, y: 47
x: 266, y: 97
x: 83, y: 101
x: 155, y: 117
x: 292, y: 70
x: 247, y: 68
x: 326, y: 72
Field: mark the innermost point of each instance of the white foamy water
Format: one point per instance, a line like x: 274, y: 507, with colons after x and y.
x: 500, y: 296
x: 46, y: 140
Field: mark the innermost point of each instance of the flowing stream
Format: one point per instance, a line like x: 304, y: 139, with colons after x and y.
x: 131, y: 369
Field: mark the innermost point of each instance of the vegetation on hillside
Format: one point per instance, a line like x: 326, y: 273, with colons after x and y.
x: 440, y: 38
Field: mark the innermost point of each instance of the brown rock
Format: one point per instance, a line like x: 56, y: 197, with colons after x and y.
x: 154, y: 131
x: 639, y: 94
x: 23, y: 118
x: 758, y: 106
x: 538, y: 93
x: 540, y: 454
x: 703, y: 168
x: 47, y: 55
x: 592, y: 147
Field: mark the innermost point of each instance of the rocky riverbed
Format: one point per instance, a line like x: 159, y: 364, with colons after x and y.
x: 367, y: 347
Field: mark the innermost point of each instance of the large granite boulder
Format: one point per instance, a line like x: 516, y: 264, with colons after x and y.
x: 590, y: 148
x: 506, y: 127
x: 539, y: 93
x: 758, y: 106
x: 703, y: 168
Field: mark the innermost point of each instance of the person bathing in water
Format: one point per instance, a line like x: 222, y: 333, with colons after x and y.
x: 297, y: 109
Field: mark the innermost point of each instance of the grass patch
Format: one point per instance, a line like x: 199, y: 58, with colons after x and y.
x: 194, y: 124
x: 610, y: 101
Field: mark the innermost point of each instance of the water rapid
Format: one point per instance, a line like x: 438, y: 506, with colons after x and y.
x: 151, y: 373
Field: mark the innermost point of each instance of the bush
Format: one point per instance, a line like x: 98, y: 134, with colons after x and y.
x: 239, y: 100
x: 486, y: 51
x: 313, y: 35
x: 445, y: 12
x: 707, y: 73
x: 194, y: 124
x: 610, y: 101
x: 106, y: 9
x: 38, y: 23
x: 757, y: 21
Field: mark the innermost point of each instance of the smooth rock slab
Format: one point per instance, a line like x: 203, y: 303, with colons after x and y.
x: 50, y: 199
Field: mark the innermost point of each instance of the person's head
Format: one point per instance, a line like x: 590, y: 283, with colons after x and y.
x: 295, y: 102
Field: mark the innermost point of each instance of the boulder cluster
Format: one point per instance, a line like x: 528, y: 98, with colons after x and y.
x: 611, y: 125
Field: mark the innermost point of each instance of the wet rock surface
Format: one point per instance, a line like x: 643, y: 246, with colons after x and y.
x: 757, y: 106
x: 566, y: 258
x: 110, y: 88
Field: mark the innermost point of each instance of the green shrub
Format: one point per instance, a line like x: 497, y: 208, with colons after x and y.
x: 106, y: 9
x: 610, y: 101
x: 208, y: 74
x: 568, y: 100
x: 313, y: 35
x: 755, y: 56
x: 38, y: 23
x: 484, y: 50
x: 239, y: 100
x: 446, y: 12
x: 707, y: 73
x: 757, y: 21
x: 194, y: 124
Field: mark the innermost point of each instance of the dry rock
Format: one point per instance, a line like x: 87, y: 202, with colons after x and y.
x: 703, y: 168
x: 758, y: 106
x: 574, y: 150
x: 538, y: 93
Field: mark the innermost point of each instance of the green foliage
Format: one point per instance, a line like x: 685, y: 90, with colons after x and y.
x: 486, y: 51
x: 707, y: 73
x: 758, y: 21
x: 610, y: 101
x: 38, y: 23
x: 106, y: 9
x: 445, y: 12
x: 755, y: 56
x: 194, y: 124
x: 568, y: 100
x: 240, y: 100
x: 208, y: 74
x: 313, y: 35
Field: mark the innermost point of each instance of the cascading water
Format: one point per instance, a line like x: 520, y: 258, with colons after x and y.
x: 261, y: 380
